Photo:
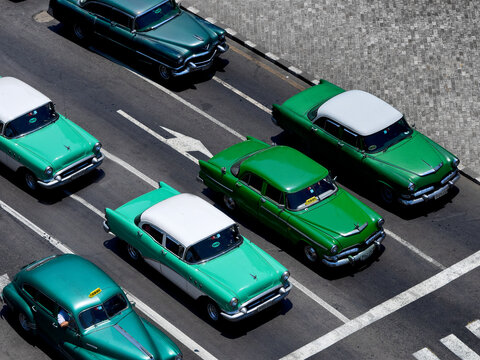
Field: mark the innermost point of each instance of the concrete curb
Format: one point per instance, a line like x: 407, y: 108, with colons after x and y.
x: 288, y: 67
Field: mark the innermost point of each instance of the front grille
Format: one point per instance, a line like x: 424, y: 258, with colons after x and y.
x: 262, y: 299
x: 355, y: 249
x: 75, y: 168
x: 203, y: 59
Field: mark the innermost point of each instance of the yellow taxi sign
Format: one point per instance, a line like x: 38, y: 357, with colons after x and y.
x: 311, y: 200
x: 95, y: 292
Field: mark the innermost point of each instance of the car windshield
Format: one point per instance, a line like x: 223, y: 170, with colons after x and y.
x: 157, y: 15
x: 31, y: 121
x: 385, y: 138
x: 311, y: 195
x: 97, y: 314
x: 214, y: 245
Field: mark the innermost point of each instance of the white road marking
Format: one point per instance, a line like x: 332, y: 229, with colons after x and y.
x: 250, y: 44
x: 35, y: 228
x: 243, y: 95
x: 319, y: 301
x: 425, y: 354
x: 388, y: 307
x: 456, y: 346
x: 130, y: 168
x: 167, y: 326
x: 474, y: 327
x: 414, y: 249
x: 4, y: 281
x: 162, y: 322
x: 181, y: 143
x: 85, y: 203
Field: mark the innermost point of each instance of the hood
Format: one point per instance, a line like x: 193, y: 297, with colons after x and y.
x: 242, y: 270
x: 127, y: 339
x: 183, y: 32
x: 59, y: 144
x: 337, y: 215
x: 414, y: 155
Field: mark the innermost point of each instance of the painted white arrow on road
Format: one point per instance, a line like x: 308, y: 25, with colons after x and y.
x: 181, y: 143
x: 4, y: 281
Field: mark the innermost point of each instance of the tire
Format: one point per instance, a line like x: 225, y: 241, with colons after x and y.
x: 212, y: 311
x: 79, y: 32
x: 309, y: 253
x: 23, y: 322
x: 133, y: 253
x: 386, y: 194
x: 29, y: 180
x: 164, y: 72
x: 229, y: 202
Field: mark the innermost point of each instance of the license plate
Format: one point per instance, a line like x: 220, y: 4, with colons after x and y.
x: 364, y: 255
x: 440, y: 194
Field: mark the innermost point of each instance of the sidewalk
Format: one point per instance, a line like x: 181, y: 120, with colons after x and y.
x: 423, y: 58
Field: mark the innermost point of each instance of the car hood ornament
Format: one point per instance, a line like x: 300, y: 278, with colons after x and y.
x: 198, y: 37
x: 68, y: 147
x: 254, y: 276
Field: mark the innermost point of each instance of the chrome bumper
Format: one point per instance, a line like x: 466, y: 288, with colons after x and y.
x: 347, y: 257
x: 59, y: 180
x: 192, y: 67
x: 450, y: 180
x: 244, y: 313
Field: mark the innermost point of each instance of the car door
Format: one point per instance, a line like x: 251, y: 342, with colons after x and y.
x: 271, y: 209
x: 247, y: 192
x: 350, y: 154
x: 173, y: 268
x: 325, y: 139
x: 45, y: 311
x: 7, y: 152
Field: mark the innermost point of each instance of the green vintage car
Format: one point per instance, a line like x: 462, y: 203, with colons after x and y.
x: 43, y: 147
x: 82, y: 312
x: 158, y: 32
x: 199, y: 249
x: 371, y: 140
x: 295, y: 196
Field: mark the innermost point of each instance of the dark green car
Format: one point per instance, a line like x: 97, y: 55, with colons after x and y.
x: 370, y: 140
x: 82, y: 312
x: 159, y: 32
x: 295, y: 196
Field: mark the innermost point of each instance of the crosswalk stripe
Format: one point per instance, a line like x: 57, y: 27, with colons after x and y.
x: 425, y: 354
x: 456, y: 346
x: 4, y: 281
x: 474, y: 327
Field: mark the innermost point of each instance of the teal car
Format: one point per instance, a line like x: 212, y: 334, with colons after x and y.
x: 82, y: 312
x: 42, y: 146
x: 157, y: 32
x: 199, y: 249
x: 370, y: 141
x: 296, y: 197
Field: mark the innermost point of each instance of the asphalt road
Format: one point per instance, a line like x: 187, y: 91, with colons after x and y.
x: 91, y: 84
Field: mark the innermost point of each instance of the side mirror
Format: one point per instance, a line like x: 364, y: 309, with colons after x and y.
x: 281, y: 207
x: 335, y: 179
x: 414, y: 126
x: 133, y: 303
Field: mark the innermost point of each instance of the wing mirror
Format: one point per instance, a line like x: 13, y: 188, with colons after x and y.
x: 281, y: 207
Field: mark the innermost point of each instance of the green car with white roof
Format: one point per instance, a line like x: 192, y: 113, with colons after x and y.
x: 42, y: 146
x: 101, y: 323
x: 200, y: 249
x: 371, y: 140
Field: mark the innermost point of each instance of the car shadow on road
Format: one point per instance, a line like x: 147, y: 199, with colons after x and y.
x: 227, y: 329
x: 130, y: 60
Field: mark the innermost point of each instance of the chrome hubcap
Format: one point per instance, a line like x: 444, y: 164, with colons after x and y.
x: 132, y: 252
x: 164, y: 72
x: 310, y: 253
x: 387, y: 195
x: 30, y: 181
x: 212, y: 311
x: 22, y: 319
x: 78, y: 30
x: 229, y: 202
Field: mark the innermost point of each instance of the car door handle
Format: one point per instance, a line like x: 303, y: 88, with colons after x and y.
x: 262, y: 200
x: 34, y: 308
x: 340, y: 144
x: 55, y: 325
x: 164, y: 252
x: 238, y: 184
x: 314, y: 129
x: 139, y: 233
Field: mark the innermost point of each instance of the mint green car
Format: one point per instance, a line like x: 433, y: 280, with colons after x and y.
x: 82, y: 312
x: 200, y: 250
x: 295, y: 196
x: 43, y: 147
x: 371, y: 141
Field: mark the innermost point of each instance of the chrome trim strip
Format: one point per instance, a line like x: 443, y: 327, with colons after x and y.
x: 293, y: 228
x: 73, y: 165
x: 432, y: 171
x: 132, y: 340
x: 448, y: 177
x: 431, y: 195
x: 356, y: 230
x: 218, y: 183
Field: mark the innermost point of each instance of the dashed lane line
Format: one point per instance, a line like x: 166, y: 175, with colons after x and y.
x: 388, y: 307
x: 173, y: 95
x: 425, y: 354
x: 162, y: 322
x: 459, y: 348
x: 414, y: 249
x: 85, y: 203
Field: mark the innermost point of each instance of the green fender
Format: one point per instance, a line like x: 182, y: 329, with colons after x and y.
x: 83, y: 354
x: 17, y: 304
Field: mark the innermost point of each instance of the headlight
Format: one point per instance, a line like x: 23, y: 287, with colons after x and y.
x: 285, y: 276
x: 48, y: 171
x: 221, y: 37
x: 456, y: 161
x: 234, y: 302
x: 180, y: 61
x: 411, y: 186
x: 334, y: 249
x: 97, y: 147
x: 380, y: 222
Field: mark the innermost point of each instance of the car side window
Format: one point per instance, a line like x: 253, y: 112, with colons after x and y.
x: 30, y: 290
x: 154, y: 233
x: 253, y: 181
x: 120, y: 18
x: 1, y: 128
x: 98, y: 9
x: 174, y: 247
x: 350, y: 138
x: 274, y: 194
x: 45, y: 302
x: 331, y: 127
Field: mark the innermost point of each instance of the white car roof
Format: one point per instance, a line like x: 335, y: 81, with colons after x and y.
x: 18, y: 98
x: 359, y: 111
x: 186, y: 217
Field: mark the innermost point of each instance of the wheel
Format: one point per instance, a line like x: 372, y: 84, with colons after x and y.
x: 310, y: 253
x: 165, y: 73
x: 23, y: 321
x: 212, y: 310
x: 229, y: 202
x: 386, y: 195
x: 133, y: 253
x: 79, y: 32
x: 30, y: 180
